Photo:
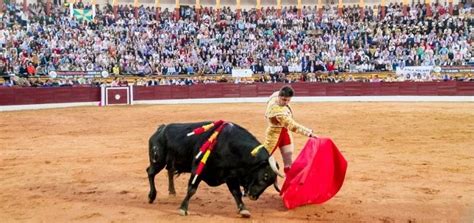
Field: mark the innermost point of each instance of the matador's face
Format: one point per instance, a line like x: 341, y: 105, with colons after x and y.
x: 283, y: 101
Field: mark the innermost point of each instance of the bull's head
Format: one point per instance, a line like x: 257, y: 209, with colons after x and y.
x: 260, y: 179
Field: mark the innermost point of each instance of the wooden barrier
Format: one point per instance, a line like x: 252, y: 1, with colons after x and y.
x: 21, y: 96
x: 306, y: 89
x: 27, y: 95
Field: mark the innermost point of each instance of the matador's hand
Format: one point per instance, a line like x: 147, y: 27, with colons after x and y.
x: 312, y: 135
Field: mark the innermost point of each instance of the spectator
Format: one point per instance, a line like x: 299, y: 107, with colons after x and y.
x: 30, y: 69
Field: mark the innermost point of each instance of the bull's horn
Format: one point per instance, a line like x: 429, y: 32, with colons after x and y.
x: 277, y: 188
x: 275, y: 185
x: 273, y: 165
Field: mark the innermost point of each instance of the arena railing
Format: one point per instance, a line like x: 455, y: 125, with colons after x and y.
x: 255, y: 77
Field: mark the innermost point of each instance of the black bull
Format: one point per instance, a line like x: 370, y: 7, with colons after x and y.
x: 230, y: 161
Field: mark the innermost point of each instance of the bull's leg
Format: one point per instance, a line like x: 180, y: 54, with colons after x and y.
x: 152, y: 170
x: 183, y: 210
x: 171, y: 189
x: 234, y: 188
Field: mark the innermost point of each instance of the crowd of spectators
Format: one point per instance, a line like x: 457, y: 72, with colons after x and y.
x: 209, y: 43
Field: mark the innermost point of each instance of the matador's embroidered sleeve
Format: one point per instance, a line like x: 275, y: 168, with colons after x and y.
x: 293, y: 126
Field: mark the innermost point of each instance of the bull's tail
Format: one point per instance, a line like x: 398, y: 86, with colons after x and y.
x: 153, y: 144
x: 160, y: 128
x: 157, y: 161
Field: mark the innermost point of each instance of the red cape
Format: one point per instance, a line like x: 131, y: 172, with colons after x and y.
x: 316, y: 175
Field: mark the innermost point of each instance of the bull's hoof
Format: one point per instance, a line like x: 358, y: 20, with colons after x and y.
x: 245, y: 213
x: 151, y: 199
x: 183, y: 212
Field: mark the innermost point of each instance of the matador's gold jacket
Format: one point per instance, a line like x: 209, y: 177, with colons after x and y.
x: 279, y: 117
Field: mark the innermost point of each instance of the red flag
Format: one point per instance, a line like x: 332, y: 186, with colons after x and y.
x: 316, y: 175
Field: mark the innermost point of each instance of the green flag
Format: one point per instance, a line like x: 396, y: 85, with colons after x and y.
x: 83, y: 14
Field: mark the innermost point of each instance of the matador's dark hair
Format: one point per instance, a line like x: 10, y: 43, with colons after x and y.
x: 286, y: 91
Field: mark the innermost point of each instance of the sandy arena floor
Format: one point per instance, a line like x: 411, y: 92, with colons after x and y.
x: 408, y: 162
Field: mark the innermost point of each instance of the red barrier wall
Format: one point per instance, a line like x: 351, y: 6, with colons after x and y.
x: 22, y: 96
x: 306, y: 89
x: 19, y: 96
